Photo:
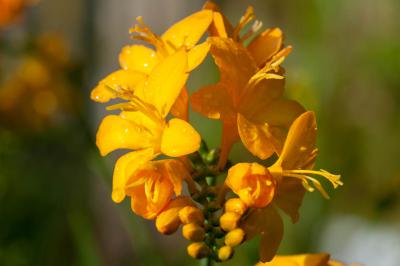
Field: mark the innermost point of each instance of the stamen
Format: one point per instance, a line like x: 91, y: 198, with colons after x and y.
x: 302, y: 175
x: 257, y: 25
x: 244, y: 20
x: 144, y: 33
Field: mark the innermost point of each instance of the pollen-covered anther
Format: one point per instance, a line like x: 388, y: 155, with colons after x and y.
x: 229, y: 221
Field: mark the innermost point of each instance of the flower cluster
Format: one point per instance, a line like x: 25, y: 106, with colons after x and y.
x: 227, y: 203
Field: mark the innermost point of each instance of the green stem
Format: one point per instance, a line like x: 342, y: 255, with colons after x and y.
x: 207, y: 262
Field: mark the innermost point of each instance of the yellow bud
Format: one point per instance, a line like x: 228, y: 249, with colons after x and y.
x: 236, y: 205
x: 168, y: 221
x: 234, y: 237
x: 198, y: 250
x: 193, y: 232
x: 229, y: 221
x: 225, y: 253
x: 191, y: 214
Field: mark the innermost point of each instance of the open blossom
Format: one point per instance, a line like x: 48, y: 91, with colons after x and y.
x: 248, y: 100
x: 321, y: 259
x: 291, y: 173
x: 138, y: 61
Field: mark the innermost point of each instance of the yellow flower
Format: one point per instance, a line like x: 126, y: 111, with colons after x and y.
x: 292, y: 173
x: 262, y: 48
x: 142, y: 124
x: 248, y: 100
x: 150, y: 185
x: 253, y: 183
x: 321, y: 259
x: 10, y: 10
x: 138, y: 61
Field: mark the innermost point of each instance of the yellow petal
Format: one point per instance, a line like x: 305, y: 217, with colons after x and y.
x: 230, y: 136
x: 235, y: 64
x: 321, y: 259
x: 176, y: 172
x: 125, y: 166
x: 197, y: 54
x: 165, y: 82
x: 115, y: 132
x: 213, y: 102
x: 280, y: 113
x: 256, y: 99
x: 138, y: 58
x: 220, y: 26
x: 299, y: 146
x: 180, y: 109
x: 268, y: 224
x: 289, y: 197
x: 115, y: 83
x: 179, y: 138
x: 188, y: 31
x: 257, y: 138
x: 265, y: 45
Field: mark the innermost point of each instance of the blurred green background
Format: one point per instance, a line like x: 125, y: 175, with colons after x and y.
x: 55, y: 204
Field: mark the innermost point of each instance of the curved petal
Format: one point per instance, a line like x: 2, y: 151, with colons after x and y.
x: 138, y: 58
x: 234, y: 63
x: 220, y: 26
x: 289, y: 197
x: 265, y: 45
x: 124, y: 168
x: 197, y: 54
x: 118, y: 81
x: 213, y: 102
x: 268, y: 224
x: 256, y: 99
x: 188, y: 31
x: 321, y: 259
x: 257, y: 138
x: 299, y: 147
x: 280, y: 113
x: 180, y: 109
x: 176, y: 173
x: 165, y: 82
x: 116, y: 132
x: 179, y: 138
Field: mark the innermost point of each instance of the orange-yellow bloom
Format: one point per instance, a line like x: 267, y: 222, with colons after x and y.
x: 142, y: 124
x: 248, y: 100
x: 138, y: 61
x: 10, y: 10
x: 321, y: 259
x: 291, y: 172
x: 253, y: 183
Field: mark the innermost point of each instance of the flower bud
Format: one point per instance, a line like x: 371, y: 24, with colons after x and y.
x: 229, y: 221
x: 198, y: 250
x: 191, y: 214
x: 225, y: 253
x: 168, y: 221
x: 234, y: 237
x: 236, y: 205
x: 193, y: 232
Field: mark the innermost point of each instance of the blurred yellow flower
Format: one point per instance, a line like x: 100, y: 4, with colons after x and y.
x: 38, y: 90
x: 248, y: 100
x: 321, y: 259
x: 138, y: 61
x: 11, y: 10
